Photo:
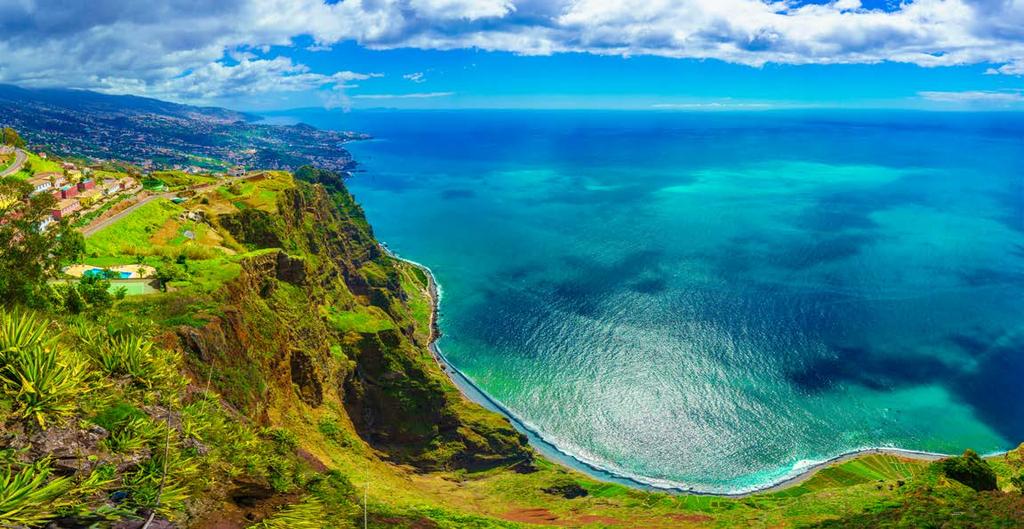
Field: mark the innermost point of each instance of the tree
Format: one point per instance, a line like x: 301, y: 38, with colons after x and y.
x: 29, y: 255
x: 95, y: 290
x: 971, y: 470
x: 12, y: 138
x: 73, y: 301
x: 168, y: 272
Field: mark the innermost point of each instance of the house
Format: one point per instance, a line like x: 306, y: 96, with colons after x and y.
x: 86, y: 184
x: 65, y: 208
x: 129, y: 184
x: 68, y: 191
x: 89, y: 197
x: 40, y: 184
x: 237, y: 170
x: 6, y: 149
x: 68, y: 166
x: 110, y: 186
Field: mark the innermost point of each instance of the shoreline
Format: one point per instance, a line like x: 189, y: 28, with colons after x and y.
x: 548, y: 449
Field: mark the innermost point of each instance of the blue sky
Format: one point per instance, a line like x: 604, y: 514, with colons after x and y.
x: 474, y: 78
x: 636, y: 54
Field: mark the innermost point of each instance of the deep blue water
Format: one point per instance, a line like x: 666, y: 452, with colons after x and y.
x: 716, y: 300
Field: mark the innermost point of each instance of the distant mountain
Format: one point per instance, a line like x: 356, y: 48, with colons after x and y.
x: 150, y: 131
x: 86, y: 101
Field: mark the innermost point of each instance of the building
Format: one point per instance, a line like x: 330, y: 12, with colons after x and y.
x: 6, y: 149
x: 67, y: 165
x: 237, y: 170
x: 65, y: 208
x: 129, y: 184
x: 110, y: 186
x: 40, y: 184
x: 68, y: 191
x: 86, y: 184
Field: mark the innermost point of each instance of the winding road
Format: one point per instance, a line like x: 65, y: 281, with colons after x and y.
x: 19, y: 160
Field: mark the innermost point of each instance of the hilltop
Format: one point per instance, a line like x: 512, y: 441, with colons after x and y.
x: 154, y: 133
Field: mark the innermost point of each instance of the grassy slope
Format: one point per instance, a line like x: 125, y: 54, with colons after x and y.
x: 265, y: 322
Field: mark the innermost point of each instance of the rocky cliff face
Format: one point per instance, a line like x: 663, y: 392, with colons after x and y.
x: 274, y: 342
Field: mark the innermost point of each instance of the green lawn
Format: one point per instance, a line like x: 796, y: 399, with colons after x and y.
x: 131, y: 235
x: 181, y: 179
x: 362, y: 319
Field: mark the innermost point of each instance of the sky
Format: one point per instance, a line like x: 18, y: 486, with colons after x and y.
x: 268, y: 55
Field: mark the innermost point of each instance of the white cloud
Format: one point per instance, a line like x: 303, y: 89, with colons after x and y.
x: 416, y: 77
x: 975, y: 97
x: 148, y: 47
x: 413, y: 95
x: 249, y: 76
x: 461, y: 9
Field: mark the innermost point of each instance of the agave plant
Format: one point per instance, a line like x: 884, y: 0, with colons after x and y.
x: 306, y: 515
x: 21, y: 331
x: 36, y: 372
x: 28, y: 497
x: 136, y: 358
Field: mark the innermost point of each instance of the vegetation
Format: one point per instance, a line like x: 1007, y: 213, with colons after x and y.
x: 31, y: 255
x: 9, y: 136
x: 970, y: 470
x: 284, y: 373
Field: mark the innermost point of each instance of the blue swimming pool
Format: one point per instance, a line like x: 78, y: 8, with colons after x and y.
x: 98, y: 272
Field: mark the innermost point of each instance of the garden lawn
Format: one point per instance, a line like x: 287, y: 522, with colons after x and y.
x: 131, y: 235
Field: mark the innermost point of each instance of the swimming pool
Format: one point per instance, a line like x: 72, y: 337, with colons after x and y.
x: 112, y: 274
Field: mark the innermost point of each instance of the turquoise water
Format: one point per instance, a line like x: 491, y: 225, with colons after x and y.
x: 99, y: 272
x: 715, y: 301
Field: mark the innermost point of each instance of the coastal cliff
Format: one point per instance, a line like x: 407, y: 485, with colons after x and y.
x: 280, y: 324
x: 284, y: 379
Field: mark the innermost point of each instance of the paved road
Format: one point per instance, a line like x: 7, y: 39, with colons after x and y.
x: 97, y: 226
x: 19, y: 160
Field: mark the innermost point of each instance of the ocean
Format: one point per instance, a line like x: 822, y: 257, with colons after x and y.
x: 715, y: 301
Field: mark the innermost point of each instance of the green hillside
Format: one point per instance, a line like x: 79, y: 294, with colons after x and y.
x: 284, y: 376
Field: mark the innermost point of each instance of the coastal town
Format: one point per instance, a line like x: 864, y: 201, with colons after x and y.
x: 94, y: 196
x: 88, y: 194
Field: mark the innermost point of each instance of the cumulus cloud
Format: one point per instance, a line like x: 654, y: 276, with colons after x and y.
x: 161, y: 46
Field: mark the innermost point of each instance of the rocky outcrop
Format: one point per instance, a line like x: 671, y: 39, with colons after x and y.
x: 270, y: 344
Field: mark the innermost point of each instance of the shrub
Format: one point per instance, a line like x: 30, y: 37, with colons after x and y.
x: 971, y: 470
x: 144, y: 485
x: 135, y: 357
x: 1018, y: 482
x: 305, y: 515
x: 330, y: 428
x: 41, y: 377
x: 28, y: 497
